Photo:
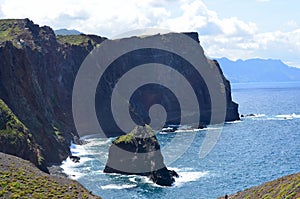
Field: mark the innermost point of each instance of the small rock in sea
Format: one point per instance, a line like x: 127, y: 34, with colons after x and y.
x: 74, y: 158
x: 139, y: 153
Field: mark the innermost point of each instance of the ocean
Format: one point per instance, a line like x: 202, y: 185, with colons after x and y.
x: 257, y: 149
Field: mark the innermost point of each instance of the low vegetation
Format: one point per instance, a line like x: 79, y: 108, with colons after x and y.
x: 137, y: 132
x: 20, y: 179
x: 75, y: 39
x: 287, y: 187
x: 10, y: 126
x: 9, y: 30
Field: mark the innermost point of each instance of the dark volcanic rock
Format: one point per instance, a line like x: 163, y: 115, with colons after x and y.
x: 37, y: 72
x: 206, y: 80
x: 139, y: 153
x: 74, y: 158
x: 232, y: 113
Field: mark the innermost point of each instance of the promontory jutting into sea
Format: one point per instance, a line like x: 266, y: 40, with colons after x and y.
x: 146, y: 116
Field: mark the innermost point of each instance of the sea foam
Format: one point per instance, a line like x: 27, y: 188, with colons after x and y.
x: 116, y: 186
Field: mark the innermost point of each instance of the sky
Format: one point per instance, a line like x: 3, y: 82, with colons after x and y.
x: 236, y: 29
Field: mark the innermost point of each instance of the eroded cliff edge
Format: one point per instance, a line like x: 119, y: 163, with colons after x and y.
x: 37, y: 72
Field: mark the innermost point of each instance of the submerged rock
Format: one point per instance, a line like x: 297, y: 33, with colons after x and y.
x: 74, y: 158
x: 139, y: 153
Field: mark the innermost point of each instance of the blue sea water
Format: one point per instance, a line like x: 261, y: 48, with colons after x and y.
x: 255, y: 150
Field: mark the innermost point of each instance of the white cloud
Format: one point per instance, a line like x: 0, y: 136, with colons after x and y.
x: 230, y: 37
x: 116, y: 16
x: 90, y: 16
x: 278, y: 45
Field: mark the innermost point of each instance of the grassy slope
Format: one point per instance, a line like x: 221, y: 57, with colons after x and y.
x: 21, y: 179
x: 9, y: 29
x: 14, y: 135
x: 73, y: 39
x: 287, y: 187
x: 79, y: 40
x: 10, y: 125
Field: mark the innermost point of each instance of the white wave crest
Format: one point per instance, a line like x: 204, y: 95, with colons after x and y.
x: 189, y: 176
x: 288, y: 116
x: 116, y: 186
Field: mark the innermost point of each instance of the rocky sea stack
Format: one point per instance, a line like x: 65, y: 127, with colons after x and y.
x: 139, y: 153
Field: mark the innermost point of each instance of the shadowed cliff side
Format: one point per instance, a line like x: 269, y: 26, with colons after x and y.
x: 37, y: 71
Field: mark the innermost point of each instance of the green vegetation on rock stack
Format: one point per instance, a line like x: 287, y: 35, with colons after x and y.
x: 138, y: 132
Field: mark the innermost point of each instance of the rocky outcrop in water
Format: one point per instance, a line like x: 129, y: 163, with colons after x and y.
x: 139, y: 153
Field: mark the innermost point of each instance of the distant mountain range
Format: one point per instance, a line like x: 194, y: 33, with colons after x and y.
x: 67, y: 32
x: 251, y: 70
x: 258, y: 70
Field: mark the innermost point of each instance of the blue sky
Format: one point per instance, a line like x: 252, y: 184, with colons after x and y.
x: 237, y: 29
x: 269, y: 15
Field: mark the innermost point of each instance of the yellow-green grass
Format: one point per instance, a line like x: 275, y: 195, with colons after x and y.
x: 20, y: 179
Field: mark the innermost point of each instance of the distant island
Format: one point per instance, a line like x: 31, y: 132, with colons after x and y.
x: 258, y: 70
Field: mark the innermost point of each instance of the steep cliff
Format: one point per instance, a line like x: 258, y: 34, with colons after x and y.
x: 175, y: 74
x: 37, y: 71
x: 15, y: 138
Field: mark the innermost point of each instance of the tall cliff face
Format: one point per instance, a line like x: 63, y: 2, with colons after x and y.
x: 37, y: 73
x: 173, y: 72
